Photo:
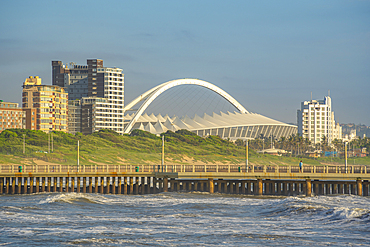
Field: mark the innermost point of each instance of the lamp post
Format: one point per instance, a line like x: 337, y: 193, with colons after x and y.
x: 246, y: 155
x: 162, y: 152
x: 345, y: 155
x: 24, y: 143
x: 78, y: 155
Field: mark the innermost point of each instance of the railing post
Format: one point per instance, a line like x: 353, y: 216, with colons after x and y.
x: 216, y: 167
x: 314, y: 169
x: 264, y: 169
x: 84, y: 168
x: 289, y: 169
x: 252, y: 168
x: 229, y: 169
x: 205, y: 168
x: 193, y: 168
x: 352, y: 169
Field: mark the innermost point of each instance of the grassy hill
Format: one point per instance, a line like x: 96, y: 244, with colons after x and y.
x: 140, y: 147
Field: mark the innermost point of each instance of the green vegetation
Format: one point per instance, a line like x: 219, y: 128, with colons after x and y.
x: 140, y: 147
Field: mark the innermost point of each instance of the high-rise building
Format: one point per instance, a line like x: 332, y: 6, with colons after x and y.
x: 102, y: 99
x: 315, y: 121
x: 11, y: 116
x: 45, y: 106
x: 74, y: 116
x: 73, y: 78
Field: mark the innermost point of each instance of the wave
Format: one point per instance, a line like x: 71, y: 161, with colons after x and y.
x: 323, y: 208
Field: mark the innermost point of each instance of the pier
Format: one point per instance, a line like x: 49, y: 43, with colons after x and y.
x: 149, y: 179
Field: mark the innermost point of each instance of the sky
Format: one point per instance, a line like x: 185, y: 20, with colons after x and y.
x: 269, y: 55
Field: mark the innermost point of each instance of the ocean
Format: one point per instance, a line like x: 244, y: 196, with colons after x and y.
x: 183, y: 219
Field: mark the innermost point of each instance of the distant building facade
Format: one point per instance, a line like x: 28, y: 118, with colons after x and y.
x: 315, y: 120
x: 74, y: 116
x: 46, y: 106
x: 74, y: 79
x: 11, y: 116
x: 100, y: 91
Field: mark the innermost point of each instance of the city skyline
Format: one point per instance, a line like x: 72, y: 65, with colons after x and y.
x: 280, y: 52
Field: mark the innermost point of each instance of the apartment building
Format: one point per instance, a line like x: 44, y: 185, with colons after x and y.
x: 102, y: 102
x: 11, y: 116
x: 46, y: 106
x: 73, y: 78
x: 315, y: 120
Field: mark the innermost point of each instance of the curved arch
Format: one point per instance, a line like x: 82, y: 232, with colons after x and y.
x: 153, y: 93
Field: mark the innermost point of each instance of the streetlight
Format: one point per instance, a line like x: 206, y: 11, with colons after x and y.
x: 162, y: 152
x: 246, y: 155
x: 78, y: 154
x: 24, y: 143
x: 345, y: 155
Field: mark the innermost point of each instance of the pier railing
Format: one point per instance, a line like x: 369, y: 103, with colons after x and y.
x: 227, y: 168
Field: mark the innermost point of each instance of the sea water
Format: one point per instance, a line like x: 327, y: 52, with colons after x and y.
x: 183, y: 219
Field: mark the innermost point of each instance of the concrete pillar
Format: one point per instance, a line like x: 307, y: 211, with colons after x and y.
x: 31, y: 185
x: 125, y: 185
x: 353, y: 189
x: 13, y: 185
x: 107, y: 191
x: 119, y: 191
x: 25, y: 186
x: 37, y: 185
x: 267, y: 188
x: 243, y: 187
x: 259, y: 187
x: 286, y: 188
x: 90, y: 184
x: 131, y: 185
x: 316, y: 187
x: 341, y: 188
x: 136, y: 186
x: 308, y: 187
x: 165, y: 184
x: 55, y: 180
x: 49, y: 184
x: 66, y: 186
x: 335, y: 189
x: 19, y: 191
x: 102, y: 185
x: 196, y: 185
x: 60, y: 184
x: 84, y: 185
x: 1, y: 185
x: 148, y: 179
x: 359, y: 187
x: 43, y: 184
x: 201, y: 186
x: 366, y: 189
x: 7, y: 185
x: 291, y: 189
x: 219, y: 186
x: 211, y: 186
x: 78, y: 185
x: 73, y: 184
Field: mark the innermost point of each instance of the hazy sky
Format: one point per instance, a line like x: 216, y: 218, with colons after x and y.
x: 269, y: 55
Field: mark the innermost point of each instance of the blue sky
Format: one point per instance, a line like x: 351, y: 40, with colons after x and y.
x: 269, y: 55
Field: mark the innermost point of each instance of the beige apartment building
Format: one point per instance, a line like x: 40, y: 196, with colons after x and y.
x: 11, y: 116
x: 46, y: 106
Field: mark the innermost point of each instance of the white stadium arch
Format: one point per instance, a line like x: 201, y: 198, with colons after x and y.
x: 149, y: 96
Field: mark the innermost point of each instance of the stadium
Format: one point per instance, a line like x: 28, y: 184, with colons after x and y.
x: 239, y: 124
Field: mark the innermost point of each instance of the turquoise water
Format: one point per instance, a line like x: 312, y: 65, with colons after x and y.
x: 183, y: 219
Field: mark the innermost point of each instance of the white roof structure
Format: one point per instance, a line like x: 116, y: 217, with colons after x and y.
x: 226, y: 125
x: 242, y: 125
